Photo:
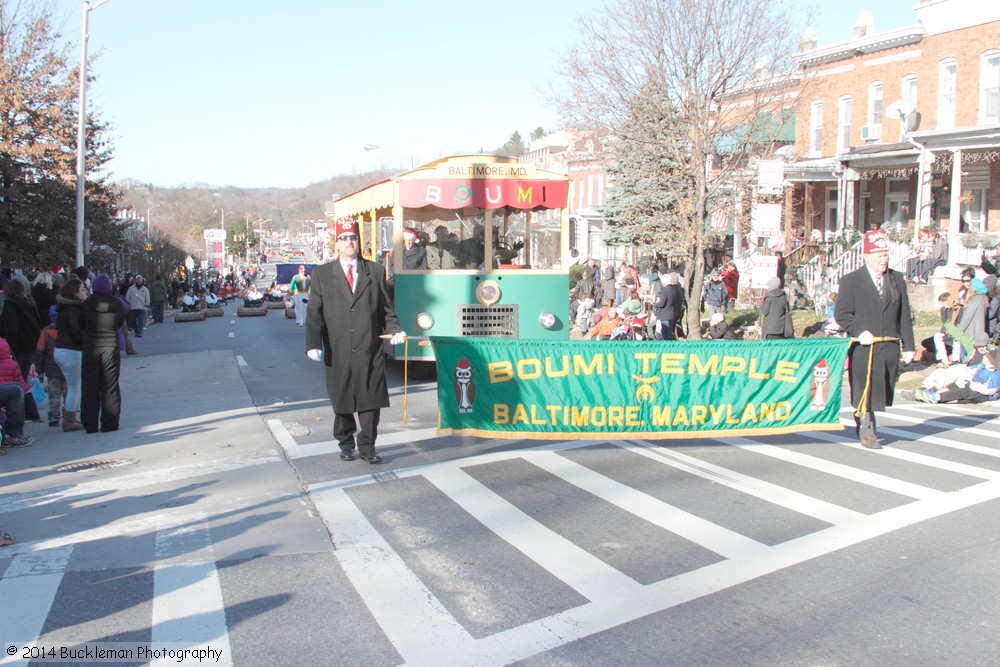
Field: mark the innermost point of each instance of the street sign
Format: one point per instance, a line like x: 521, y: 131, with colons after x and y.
x: 189, y: 262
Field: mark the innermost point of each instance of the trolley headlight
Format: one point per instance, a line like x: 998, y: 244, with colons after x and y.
x: 425, y: 321
x: 547, y: 320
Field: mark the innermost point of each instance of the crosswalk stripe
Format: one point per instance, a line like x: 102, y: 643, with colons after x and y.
x: 910, y: 435
x: 933, y: 461
x: 772, y: 493
x: 709, y: 535
x: 583, y: 572
x: 187, y: 599
x: 845, y: 471
x: 28, y: 589
x: 407, y: 611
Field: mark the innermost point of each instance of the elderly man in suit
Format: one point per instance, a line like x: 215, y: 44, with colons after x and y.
x: 349, y: 310
x: 872, y: 304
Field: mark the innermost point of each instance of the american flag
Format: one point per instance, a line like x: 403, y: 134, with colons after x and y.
x: 720, y: 218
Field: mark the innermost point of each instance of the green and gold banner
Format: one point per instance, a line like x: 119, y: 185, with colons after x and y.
x: 538, y: 389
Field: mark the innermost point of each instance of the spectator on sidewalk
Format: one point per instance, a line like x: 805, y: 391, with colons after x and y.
x: 138, y: 298
x: 69, y: 347
x: 775, y: 316
x: 20, y: 325
x: 44, y: 295
x: 719, y: 329
x: 716, y: 295
x: 103, y: 317
x: 13, y: 389
x: 731, y: 279
x: 157, y: 299
x: 45, y: 364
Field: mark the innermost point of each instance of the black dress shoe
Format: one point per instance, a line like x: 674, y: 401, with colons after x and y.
x: 371, y: 458
x: 346, y: 456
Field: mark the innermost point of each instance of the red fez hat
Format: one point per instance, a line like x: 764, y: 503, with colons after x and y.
x: 875, y: 241
x: 347, y: 227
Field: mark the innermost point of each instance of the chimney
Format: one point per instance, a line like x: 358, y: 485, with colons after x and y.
x: 808, y: 41
x: 865, y: 25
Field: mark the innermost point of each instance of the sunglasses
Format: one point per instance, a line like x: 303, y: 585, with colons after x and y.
x: 347, y: 237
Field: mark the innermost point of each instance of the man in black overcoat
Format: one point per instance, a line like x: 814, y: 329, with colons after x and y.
x: 349, y: 309
x: 872, y: 303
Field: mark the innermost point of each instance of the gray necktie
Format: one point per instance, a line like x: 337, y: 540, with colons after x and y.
x: 878, y: 283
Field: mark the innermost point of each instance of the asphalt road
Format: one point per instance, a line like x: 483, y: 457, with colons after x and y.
x: 237, y: 527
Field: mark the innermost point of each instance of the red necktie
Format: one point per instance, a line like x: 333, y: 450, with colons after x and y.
x: 350, y: 277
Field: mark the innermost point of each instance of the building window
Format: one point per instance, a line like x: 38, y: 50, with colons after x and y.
x: 909, y: 92
x: 947, y: 83
x: 816, y: 128
x: 989, y: 88
x: 844, y: 124
x: 873, y: 133
x: 974, y: 209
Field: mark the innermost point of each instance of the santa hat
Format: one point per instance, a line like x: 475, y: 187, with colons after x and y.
x: 347, y: 226
x: 875, y: 241
x: 409, y: 234
x: 58, y: 269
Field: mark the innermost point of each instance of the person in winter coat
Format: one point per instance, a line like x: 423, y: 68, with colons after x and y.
x: 775, y: 317
x: 666, y: 308
x: 972, y: 319
x: 872, y: 302
x: 103, y: 315
x: 731, y: 279
x: 138, y: 301
x: 44, y: 295
x: 68, y: 352
x: 13, y: 389
x: 716, y: 295
x: 20, y: 323
x: 157, y: 299
x: 45, y: 362
x: 349, y: 311
x: 609, y: 289
x: 719, y: 329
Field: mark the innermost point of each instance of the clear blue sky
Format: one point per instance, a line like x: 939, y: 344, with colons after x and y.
x: 251, y: 92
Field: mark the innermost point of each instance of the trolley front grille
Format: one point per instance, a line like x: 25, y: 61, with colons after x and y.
x: 492, y: 322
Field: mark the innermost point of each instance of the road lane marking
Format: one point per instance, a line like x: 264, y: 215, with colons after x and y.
x: 772, y: 493
x: 28, y: 589
x: 847, y: 472
x: 187, y: 598
x: 706, y: 534
x: 574, y: 566
x: 412, y: 617
x: 240, y: 360
x: 293, y: 450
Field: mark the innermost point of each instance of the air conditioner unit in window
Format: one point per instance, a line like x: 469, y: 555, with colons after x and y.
x: 871, y: 132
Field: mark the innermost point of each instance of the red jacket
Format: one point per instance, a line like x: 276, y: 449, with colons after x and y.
x: 9, y: 370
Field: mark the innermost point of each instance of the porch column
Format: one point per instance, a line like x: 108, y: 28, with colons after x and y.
x: 956, y: 207
x: 924, y: 178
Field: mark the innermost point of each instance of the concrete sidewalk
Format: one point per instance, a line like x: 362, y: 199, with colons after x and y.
x: 192, y: 450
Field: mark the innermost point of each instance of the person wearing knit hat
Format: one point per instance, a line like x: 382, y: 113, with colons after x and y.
x: 102, y: 315
x: 872, y: 303
x: 775, y: 314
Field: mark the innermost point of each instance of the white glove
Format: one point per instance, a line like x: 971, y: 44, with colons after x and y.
x: 315, y: 355
x: 907, y: 357
x: 866, y: 338
x: 398, y: 338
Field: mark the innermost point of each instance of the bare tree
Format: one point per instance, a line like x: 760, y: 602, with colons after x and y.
x: 670, y: 80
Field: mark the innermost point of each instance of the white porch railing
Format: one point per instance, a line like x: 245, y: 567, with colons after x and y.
x: 823, y: 272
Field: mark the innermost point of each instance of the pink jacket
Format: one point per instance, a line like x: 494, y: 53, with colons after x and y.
x: 9, y: 370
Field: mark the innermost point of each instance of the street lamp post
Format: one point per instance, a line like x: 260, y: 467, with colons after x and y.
x: 81, y: 130
x: 375, y: 147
